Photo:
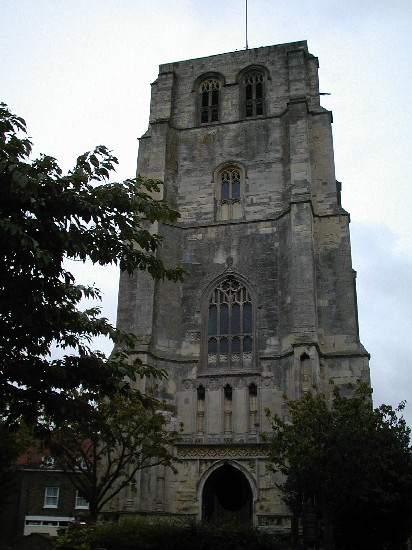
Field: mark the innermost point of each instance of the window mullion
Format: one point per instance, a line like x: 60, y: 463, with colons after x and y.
x: 218, y: 334
x: 242, y: 332
x: 229, y: 335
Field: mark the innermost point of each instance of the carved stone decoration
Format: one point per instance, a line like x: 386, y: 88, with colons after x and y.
x: 267, y: 379
x: 222, y: 451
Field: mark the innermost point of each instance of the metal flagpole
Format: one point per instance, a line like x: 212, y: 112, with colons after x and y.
x: 247, y: 47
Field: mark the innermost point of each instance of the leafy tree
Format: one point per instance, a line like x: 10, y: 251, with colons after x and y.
x: 45, y: 218
x: 101, y: 457
x: 352, y: 461
x: 9, y: 452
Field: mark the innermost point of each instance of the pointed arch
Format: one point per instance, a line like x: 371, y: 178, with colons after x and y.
x: 234, y: 464
x: 229, y: 181
x: 305, y: 372
x: 252, y: 86
x: 228, y: 335
x: 208, y: 87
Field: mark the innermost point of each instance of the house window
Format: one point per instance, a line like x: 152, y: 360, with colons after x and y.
x: 81, y: 502
x: 230, y: 193
x: 48, y: 462
x: 253, y: 93
x: 230, y: 340
x: 209, y: 100
x: 51, y: 497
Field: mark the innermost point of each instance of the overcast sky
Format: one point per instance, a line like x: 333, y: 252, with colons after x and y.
x: 79, y: 72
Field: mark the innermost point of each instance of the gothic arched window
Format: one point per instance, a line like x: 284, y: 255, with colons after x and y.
x: 230, y: 193
x: 230, y: 325
x: 209, y: 100
x: 253, y: 89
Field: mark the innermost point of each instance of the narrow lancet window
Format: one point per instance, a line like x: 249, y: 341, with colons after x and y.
x: 305, y: 373
x: 229, y: 194
x: 253, y: 94
x: 209, y: 99
x: 228, y: 410
x: 200, y: 415
x: 253, y: 424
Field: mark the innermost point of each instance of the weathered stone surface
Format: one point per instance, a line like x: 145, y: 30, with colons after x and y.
x: 288, y: 245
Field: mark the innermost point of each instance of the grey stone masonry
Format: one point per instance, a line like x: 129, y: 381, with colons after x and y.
x: 268, y: 306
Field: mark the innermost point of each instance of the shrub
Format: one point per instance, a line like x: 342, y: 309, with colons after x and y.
x: 141, y: 534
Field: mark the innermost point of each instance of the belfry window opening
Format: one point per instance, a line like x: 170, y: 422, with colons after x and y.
x: 253, y: 85
x: 209, y: 91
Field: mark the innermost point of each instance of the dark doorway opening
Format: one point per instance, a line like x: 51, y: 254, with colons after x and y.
x: 227, y: 496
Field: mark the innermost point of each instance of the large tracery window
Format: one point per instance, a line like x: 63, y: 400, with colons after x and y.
x: 253, y: 90
x: 209, y: 94
x: 229, y: 194
x: 230, y: 326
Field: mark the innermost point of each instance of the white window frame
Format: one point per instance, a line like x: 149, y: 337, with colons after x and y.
x: 48, y: 462
x: 51, y: 493
x: 81, y: 503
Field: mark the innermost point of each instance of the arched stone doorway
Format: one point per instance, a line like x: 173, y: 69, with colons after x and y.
x: 227, y: 496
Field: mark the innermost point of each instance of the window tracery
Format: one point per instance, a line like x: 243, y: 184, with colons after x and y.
x: 230, y: 193
x: 253, y: 84
x: 209, y: 98
x: 230, y: 326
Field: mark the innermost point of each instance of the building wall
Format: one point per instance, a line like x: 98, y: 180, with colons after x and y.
x: 288, y: 244
x: 33, y: 515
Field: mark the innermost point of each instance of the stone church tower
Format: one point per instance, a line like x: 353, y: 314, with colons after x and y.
x: 268, y: 306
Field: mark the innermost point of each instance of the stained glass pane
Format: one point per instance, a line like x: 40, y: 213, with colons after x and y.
x: 215, y: 97
x: 215, y: 115
x: 205, y: 116
x: 236, y: 345
x: 247, y: 318
x: 223, y: 345
x: 225, y: 191
x: 205, y: 99
x: 259, y: 90
x: 235, y: 319
x: 247, y: 344
x: 212, y: 345
x: 259, y: 108
x: 249, y: 109
x: 212, y: 319
x: 235, y: 189
x: 249, y: 91
x: 224, y: 319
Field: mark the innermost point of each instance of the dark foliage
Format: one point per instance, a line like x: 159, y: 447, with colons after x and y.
x: 45, y: 218
x: 133, y: 433
x: 354, y: 462
x: 140, y: 534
